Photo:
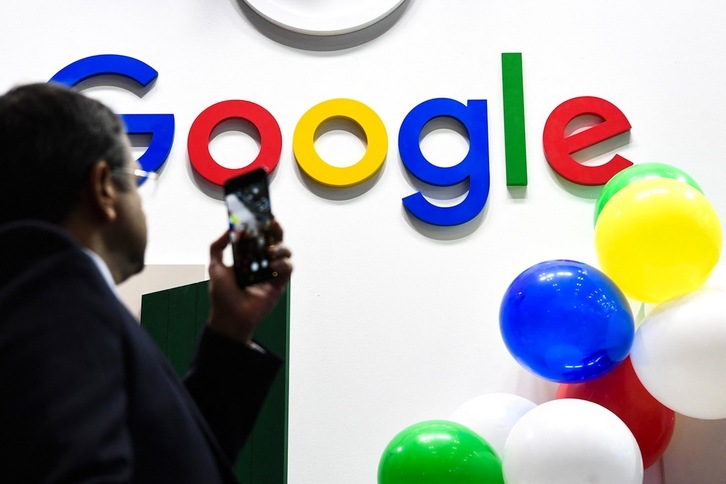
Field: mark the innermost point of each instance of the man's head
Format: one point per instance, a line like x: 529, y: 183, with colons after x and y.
x: 65, y: 159
x: 50, y: 137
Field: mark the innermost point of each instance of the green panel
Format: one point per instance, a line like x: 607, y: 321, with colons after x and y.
x: 243, y: 467
x: 269, y: 436
x: 182, y: 337
x: 202, y: 310
x: 155, y: 316
x: 175, y: 317
x: 270, y: 433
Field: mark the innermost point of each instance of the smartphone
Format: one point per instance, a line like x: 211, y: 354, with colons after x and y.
x: 250, y: 218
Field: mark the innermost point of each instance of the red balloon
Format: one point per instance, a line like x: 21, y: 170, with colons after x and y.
x: 621, y: 392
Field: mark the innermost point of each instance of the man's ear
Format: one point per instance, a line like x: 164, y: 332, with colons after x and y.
x: 102, y: 191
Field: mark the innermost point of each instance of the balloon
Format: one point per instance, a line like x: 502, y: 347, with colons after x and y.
x: 622, y: 393
x: 678, y: 354
x: 658, y: 239
x: 571, y: 441
x: 439, y: 452
x: 640, y: 172
x: 565, y: 321
x: 492, y: 416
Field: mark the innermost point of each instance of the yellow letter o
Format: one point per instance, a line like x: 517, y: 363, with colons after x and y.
x: 315, y: 167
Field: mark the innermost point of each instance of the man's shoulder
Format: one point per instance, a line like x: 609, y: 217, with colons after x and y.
x: 45, y: 268
x: 25, y: 244
x: 30, y: 247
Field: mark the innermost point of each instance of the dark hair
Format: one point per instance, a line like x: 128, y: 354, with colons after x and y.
x: 50, y: 137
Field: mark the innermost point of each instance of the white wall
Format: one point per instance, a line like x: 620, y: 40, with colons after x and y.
x: 394, y: 322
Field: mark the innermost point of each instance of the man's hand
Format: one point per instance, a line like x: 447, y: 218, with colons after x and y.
x: 236, y: 312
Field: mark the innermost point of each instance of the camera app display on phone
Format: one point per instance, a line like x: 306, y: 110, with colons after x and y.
x: 250, y: 217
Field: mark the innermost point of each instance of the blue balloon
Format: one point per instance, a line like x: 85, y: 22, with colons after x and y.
x: 566, y: 321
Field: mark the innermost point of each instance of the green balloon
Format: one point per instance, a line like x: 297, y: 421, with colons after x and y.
x: 640, y: 172
x: 439, y: 452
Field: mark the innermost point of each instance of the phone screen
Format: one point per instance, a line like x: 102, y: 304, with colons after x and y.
x: 250, y: 217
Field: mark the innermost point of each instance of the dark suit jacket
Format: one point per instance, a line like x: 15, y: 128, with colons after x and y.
x: 86, y: 396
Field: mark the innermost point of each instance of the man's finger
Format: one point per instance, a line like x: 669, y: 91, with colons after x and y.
x: 281, y: 270
x: 217, y: 248
x: 279, y: 251
x: 276, y: 230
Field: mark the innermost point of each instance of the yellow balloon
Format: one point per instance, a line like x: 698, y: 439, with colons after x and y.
x: 658, y: 239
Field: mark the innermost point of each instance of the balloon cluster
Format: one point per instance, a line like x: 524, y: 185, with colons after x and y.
x: 657, y: 240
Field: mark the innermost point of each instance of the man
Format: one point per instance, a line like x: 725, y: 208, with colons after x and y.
x: 86, y: 395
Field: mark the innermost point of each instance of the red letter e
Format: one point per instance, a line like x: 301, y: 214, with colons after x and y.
x: 558, y: 147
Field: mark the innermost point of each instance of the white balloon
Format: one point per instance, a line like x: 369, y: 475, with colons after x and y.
x: 571, y: 441
x: 492, y: 416
x: 679, y: 354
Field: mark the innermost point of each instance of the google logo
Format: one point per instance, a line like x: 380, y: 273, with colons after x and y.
x: 473, y: 116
